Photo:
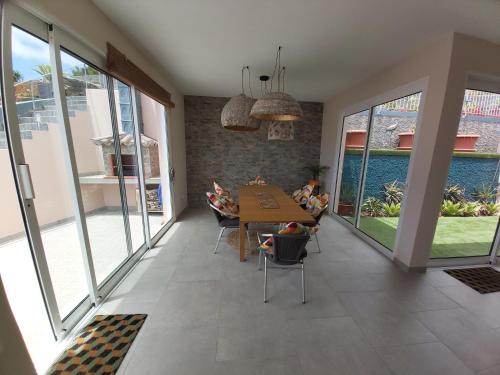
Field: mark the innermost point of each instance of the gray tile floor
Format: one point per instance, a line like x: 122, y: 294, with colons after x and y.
x: 363, y: 315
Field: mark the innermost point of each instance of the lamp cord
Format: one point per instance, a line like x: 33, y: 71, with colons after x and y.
x: 277, y: 64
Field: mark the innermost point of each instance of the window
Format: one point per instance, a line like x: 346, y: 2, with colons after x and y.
x: 469, y: 212
x: 373, y: 164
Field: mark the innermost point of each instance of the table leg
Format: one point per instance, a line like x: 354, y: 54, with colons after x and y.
x: 242, y: 241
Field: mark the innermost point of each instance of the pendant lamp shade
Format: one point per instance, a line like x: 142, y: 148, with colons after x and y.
x: 236, y: 114
x: 277, y: 106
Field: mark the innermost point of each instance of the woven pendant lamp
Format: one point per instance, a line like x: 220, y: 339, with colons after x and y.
x: 278, y: 105
x: 236, y: 113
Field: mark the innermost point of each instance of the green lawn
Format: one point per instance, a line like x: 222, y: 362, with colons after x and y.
x: 455, y: 236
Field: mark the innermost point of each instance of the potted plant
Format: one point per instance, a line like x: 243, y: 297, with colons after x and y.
x: 355, y: 138
x: 406, y: 139
x: 466, y: 142
x: 346, y: 200
x: 316, y: 171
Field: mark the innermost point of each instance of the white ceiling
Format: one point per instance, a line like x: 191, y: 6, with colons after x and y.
x: 328, y: 45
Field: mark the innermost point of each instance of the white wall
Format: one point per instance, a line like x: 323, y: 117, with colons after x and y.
x: 83, y: 19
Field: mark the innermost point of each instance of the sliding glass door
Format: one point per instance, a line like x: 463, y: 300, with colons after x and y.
x: 43, y: 149
x: 99, y: 175
x: 86, y: 186
x: 17, y: 269
x: 470, y: 208
x: 373, y: 165
x: 354, y: 133
x: 152, y: 119
x: 392, y: 129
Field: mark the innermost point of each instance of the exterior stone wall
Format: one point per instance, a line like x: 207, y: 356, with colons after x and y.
x: 384, y: 133
x: 234, y: 158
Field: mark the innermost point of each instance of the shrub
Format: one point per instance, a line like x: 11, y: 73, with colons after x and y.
x: 485, y: 193
x: 470, y: 208
x: 347, y: 194
x: 489, y: 209
x: 373, y: 207
x: 454, y: 194
x: 393, y: 192
x: 450, y: 208
x: 391, y: 209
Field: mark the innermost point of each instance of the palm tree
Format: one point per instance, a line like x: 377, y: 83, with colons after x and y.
x: 83, y: 70
x: 18, y: 77
x: 43, y: 69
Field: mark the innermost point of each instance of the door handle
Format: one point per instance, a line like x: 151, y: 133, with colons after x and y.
x: 25, y: 181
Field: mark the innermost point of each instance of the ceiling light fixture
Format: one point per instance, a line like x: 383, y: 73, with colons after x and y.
x: 236, y: 113
x: 278, y: 105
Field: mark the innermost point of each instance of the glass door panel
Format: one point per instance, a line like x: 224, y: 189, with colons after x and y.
x: 95, y: 154
x: 42, y: 143
x: 470, y: 208
x: 351, y: 160
x: 392, y: 131
x: 153, y: 128
x: 17, y: 269
x: 129, y: 158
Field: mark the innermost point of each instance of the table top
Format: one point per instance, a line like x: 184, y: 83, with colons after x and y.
x: 288, y: 210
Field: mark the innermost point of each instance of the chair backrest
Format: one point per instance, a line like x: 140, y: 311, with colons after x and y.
x: 288, y: 248
x: 216, y: 212
x: 318, y: 218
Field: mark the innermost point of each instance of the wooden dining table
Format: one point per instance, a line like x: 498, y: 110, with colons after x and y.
x: 267, y: 204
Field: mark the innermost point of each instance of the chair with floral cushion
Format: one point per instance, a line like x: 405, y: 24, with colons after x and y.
x: 287, y: 251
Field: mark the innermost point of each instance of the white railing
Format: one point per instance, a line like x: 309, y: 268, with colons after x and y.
x: 476, y: 103
x: 481, y: 103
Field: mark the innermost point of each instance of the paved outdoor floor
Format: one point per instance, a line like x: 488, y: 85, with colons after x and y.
x: 107, y: 238
x: 363, y: 315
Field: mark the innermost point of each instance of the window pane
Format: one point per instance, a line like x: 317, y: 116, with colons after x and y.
x: 129, y: 162
x: 392, y: 131
x: 90, y: 119
x: 42, y: 142
x: 155, y: 157
x: 17, y: 268
x: 354, y: 140
x: 469, y: 214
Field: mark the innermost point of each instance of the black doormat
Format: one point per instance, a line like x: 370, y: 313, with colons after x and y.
x: 100, y: 347
x: 481, y: 279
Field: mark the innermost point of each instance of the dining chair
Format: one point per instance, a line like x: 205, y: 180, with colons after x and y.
x: 226, y: 223
x: 288, y: 250
x: 317, y: 218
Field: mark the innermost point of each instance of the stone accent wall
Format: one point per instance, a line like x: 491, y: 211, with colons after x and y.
x: 234, y: 158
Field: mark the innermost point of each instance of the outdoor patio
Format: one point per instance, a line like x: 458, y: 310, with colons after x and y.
x: 66, y: 270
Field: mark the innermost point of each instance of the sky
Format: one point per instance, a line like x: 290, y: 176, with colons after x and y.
x: 29, y: 51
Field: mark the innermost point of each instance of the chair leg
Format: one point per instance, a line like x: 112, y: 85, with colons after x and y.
x: 260, y: 256
x: 248, y: 239
x: 218, y: 240
x: 303, y: 285
x: 317, y: 241
x: 265, y: 279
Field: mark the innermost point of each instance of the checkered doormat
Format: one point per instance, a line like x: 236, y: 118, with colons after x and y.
x: 100, y: 347
x: 481, y: 279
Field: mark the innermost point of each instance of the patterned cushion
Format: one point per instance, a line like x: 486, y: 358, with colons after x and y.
x: 317, y: 203
x: 227, y: 209
x: 220, y: 191
x: 302, y: 195
x: 258, y: 181
x: 291, y: 228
